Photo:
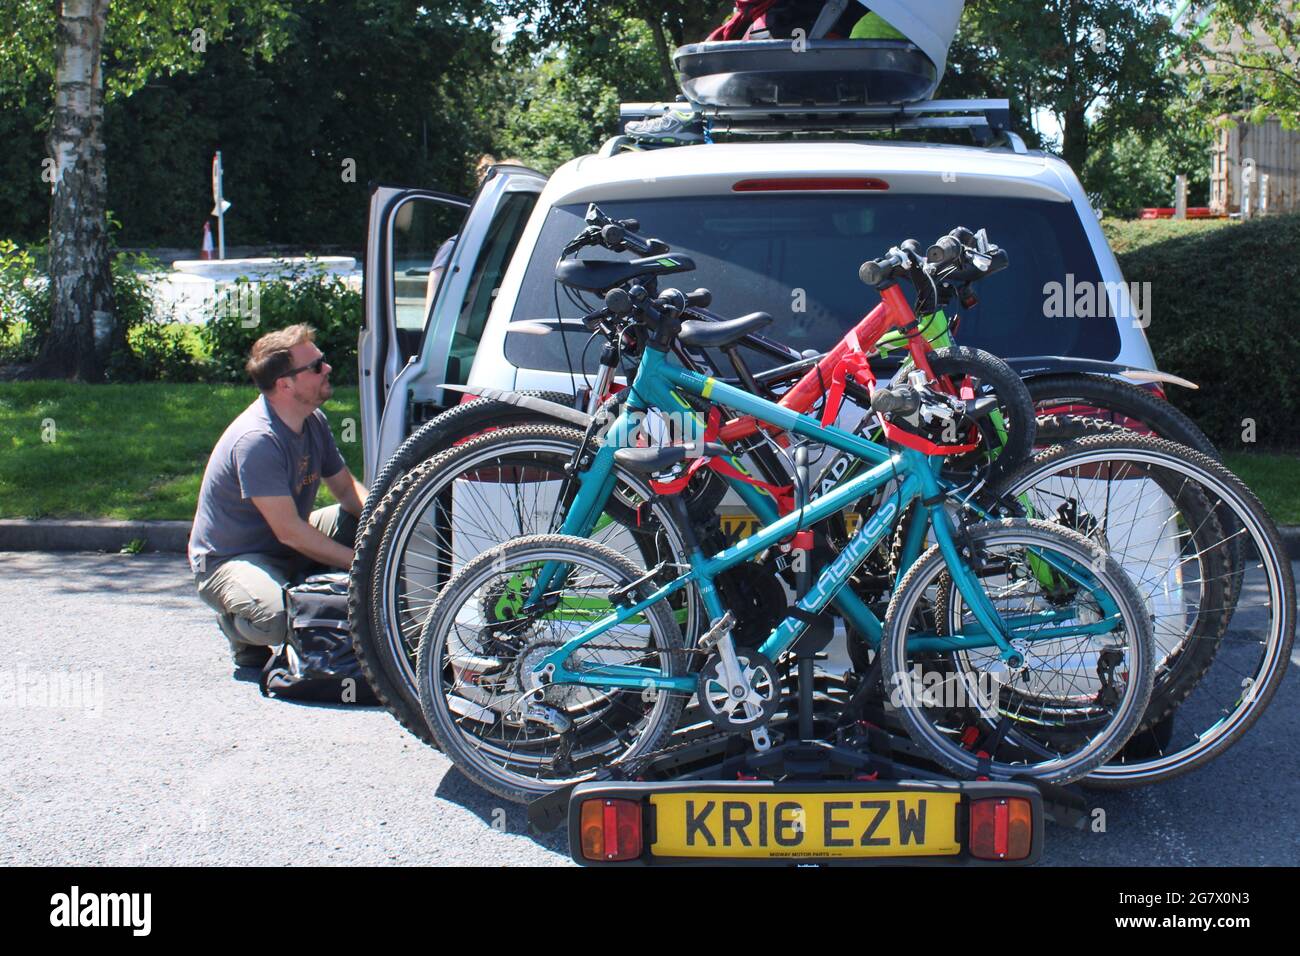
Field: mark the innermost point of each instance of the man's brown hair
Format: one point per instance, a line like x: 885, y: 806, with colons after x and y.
x: 270, y: 357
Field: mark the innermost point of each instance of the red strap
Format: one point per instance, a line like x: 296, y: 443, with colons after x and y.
x: 784, y: 494
x: 855, y: 363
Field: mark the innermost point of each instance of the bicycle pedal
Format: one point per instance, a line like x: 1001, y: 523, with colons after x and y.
x: 717, y: 631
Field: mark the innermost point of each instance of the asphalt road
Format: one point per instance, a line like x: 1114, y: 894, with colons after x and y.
x: 157, y: 755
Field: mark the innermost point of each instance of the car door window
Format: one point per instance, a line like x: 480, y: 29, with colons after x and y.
x: 422, y: 239
x: 485, y: 279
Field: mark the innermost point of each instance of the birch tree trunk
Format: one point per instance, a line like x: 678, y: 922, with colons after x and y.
x: 82, y: 328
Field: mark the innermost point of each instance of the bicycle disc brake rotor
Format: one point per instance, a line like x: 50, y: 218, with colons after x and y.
x: 746, y: 706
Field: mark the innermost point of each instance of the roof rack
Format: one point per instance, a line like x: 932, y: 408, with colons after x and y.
x: 989, y: 121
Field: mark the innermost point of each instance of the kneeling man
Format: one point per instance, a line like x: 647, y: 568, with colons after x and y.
x: 254, y: 529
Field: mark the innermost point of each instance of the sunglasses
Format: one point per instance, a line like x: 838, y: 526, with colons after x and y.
x: 313, y: 367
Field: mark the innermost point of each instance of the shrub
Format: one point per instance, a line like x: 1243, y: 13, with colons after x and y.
x: 24, y: 303
x: 247, y: 311
x: 156, y: 349
x: 1220, y: 316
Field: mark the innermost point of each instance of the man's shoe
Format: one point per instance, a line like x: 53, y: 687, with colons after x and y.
x: 251, y: 655
x: 676, y: 127
x: 243, y: 653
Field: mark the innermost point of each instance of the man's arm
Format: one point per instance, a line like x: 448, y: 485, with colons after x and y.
x: 351, y: 494
x: 290, y: 530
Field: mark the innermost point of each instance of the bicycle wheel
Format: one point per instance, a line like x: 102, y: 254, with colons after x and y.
x: 1077, y: 697
x: 504, y: 727
x: 1078, y: 395
x: 1163, y: 530
x: 489, y: 490
x: 1220, y: 695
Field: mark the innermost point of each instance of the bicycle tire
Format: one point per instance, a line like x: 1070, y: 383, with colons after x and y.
x: 1181, y: 669
x: 386, y: 654
x: 1258, y: 533
x: 896, y: 662
x: 460, y: 591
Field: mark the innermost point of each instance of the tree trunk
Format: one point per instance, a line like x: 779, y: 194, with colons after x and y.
x: 665, y: 56
x: 1074, y: 139
x: 82, y: 328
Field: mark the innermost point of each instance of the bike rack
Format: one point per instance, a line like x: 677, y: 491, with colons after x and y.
x: 862, y: 750
x: 988, y: 120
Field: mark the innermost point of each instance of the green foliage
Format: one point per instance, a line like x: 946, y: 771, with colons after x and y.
x: 303, y: 294
x: 24, y: 301
x: 1248, y: 61
x: 1136, y: 168
x: 1220, y: 317
x: 156, y: 351
x: 1129, y: 235
x: 1071, y: 57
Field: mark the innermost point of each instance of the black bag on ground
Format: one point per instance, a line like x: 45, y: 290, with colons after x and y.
x: 316, y: 662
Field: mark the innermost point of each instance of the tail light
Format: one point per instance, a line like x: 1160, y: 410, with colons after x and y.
x: 809, y: 184
x: 1001, y: 828
x: 610, y: 829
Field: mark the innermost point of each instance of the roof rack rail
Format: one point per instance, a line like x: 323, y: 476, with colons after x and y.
x: 989, y: 121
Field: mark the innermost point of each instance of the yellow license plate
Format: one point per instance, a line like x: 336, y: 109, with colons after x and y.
x: 827, y: 825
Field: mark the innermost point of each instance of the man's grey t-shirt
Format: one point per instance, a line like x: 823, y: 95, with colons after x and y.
x: 258, y: 456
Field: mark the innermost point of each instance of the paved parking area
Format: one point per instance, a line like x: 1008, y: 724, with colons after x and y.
x: 156, y: 755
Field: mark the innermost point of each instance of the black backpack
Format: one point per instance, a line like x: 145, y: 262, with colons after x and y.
x: 316, y: 662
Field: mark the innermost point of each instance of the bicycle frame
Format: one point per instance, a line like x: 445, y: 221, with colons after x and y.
x: 653, y: 387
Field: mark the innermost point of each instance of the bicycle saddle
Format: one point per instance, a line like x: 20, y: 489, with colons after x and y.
x: 648, y: 461
x: 716, y: 335
x: 601, y: 275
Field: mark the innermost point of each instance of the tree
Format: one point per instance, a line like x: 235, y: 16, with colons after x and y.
x: 1250, y: 60
x: 574, y: 24
x: 1073, y: 57
x: 143, y: 38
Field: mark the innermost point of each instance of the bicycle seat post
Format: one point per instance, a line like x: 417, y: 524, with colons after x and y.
x: 805, y: 651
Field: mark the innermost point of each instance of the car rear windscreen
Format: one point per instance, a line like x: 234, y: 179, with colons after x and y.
x: 797, y: 257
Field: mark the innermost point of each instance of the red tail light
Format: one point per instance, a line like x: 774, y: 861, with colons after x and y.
x: 809, y: 184
x: 611, y: 829
x: 1001, y: 828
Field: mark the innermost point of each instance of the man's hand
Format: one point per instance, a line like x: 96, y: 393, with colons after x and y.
x: 290, y: 530
x: 349, y: 492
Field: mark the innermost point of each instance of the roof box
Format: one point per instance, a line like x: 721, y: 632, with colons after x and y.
x: 811, y: 70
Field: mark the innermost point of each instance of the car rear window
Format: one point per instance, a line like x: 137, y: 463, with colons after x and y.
x: 797, y: 257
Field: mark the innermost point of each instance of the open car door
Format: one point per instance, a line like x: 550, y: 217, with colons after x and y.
x: 433, y: 265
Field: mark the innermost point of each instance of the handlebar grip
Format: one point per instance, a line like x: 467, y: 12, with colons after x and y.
x: 702, y: 298
x: 944, y: 252
x: 963, y: 235
x: 876, y: 271
x: 902, y: 398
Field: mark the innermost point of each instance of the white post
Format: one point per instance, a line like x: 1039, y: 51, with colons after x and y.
x: 219, y: 207
x: 1263, y: 194
x: 1247, y: 186
x: 1180, y: 196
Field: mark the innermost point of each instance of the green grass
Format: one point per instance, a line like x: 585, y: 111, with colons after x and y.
x: 1272, y: 476
x: 123, y: 451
